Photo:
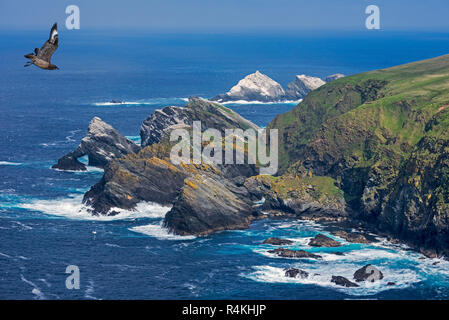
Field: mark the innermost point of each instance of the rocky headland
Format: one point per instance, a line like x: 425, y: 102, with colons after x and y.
x: 366, y: 150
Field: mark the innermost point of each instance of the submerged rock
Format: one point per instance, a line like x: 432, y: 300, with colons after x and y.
x: 296, y: 273
x: 277, y: 241
x: 254, y: 87
x: 288, y: 253
x: 321, y: 240
x: 368, y: 273
x: 101, y: 144
x: 342, y: 281
x: 301, y: 86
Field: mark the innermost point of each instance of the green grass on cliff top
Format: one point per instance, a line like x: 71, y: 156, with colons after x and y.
x: 413, y: 94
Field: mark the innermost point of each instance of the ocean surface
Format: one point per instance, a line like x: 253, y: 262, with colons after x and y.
x: 44, y: 114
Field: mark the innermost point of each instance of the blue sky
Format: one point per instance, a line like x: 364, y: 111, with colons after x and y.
x: 232, y: 15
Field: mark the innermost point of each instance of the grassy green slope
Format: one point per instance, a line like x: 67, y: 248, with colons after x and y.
x: 394, y: 103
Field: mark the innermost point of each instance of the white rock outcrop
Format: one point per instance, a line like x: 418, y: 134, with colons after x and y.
x: 254, y: 87
x: 302, y: 85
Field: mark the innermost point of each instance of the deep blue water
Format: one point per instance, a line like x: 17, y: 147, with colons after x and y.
x: 43, y: 115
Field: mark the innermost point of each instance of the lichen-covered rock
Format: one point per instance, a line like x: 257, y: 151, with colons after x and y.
x: 306, y: 197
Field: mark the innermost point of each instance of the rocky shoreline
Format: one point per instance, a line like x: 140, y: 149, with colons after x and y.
x: 334, y: 170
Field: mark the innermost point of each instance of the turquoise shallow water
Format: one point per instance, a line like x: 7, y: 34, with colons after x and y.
x: 44, y: 227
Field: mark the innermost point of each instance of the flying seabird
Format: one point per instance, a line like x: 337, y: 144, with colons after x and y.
x: 42, y: 56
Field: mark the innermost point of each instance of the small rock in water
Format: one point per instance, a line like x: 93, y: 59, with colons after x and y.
x: 277, y: 241
x: 391, y: 283
x: 351, y: 236
x: 342, y: 281
x: 287, y: 253
x: 296, y: 273
x: 337, y: 253
x: 321, y: 240
x: 368, y: 273
x: 429, y: 253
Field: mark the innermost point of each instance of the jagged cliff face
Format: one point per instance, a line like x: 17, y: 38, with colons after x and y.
x: 212, y: 115
x: 383, y: 137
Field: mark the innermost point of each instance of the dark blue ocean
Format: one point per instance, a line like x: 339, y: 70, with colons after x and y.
x: 44, y: 114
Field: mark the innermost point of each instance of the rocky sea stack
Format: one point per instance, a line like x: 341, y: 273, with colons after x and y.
x: 301, y: 86
x: 101, y: 144
x: 254, y: 87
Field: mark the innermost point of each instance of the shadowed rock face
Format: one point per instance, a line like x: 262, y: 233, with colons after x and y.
x: 69, y: 162
x: 211, y: 114
x: 101, y: 144
x: 301, y: 86
x: 254, y: 87
x: 208, y: 204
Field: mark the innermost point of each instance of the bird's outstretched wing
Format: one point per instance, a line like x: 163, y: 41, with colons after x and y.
x: 50, y: 45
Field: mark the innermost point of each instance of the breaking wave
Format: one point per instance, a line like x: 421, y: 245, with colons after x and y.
x: 159, y: 232
x: 73, y: 208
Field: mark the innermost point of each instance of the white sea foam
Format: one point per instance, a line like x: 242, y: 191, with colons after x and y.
x: 36, y: 290
x: 260, y: 102
x: 321, y: 275
x: 8, y: 163
x: 159, y: 232
x: 73, y: 208
x: 155, y: 101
